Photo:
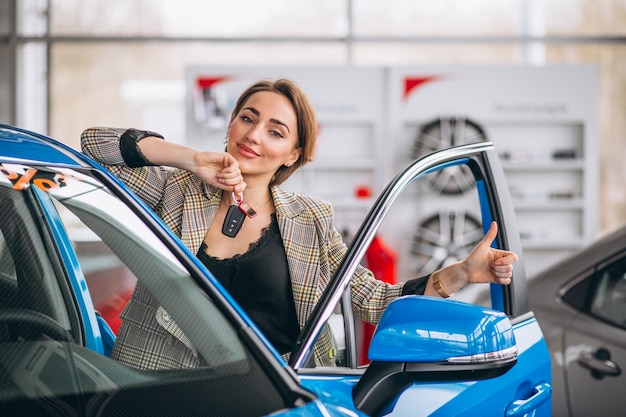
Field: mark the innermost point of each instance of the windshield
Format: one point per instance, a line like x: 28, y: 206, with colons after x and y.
x: 62, y: 230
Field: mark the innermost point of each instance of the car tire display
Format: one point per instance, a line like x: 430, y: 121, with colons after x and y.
x: 442, y: 133
x: 443, y: 238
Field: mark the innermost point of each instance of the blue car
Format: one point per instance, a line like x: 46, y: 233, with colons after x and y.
x: 64, y: 219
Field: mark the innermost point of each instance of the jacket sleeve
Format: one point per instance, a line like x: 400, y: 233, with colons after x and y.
x: 116, y: 150
x: 370, y: 296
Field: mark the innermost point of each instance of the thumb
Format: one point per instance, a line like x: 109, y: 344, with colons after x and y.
x: 490, y: 235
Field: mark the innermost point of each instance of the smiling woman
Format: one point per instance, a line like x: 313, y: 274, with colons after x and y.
x: 276, y: 263
x: 212, y: 358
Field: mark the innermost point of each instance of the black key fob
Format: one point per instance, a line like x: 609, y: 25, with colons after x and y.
x: 233, y: 222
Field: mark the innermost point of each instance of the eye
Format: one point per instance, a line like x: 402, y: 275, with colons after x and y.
x: 276, y: 134
x: 247, y: 119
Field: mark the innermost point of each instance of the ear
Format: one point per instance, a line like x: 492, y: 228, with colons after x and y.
x: 294, y: 157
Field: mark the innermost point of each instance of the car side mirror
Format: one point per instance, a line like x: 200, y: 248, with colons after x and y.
x: 422, y: 338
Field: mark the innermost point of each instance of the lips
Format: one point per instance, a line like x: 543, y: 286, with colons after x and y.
x: 246, y: 151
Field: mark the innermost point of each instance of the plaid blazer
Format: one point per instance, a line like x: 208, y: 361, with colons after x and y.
x: 187, y: 205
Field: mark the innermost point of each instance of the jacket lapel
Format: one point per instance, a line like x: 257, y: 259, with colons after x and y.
x: 301, y: 242
x: 199, y: 210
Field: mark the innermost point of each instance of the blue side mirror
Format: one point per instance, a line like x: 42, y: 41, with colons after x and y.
x: 427, y: 330
x: 423, y: 338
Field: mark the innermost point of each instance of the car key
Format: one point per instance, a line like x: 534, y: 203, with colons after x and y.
x: 234, y: 221
x: 235, y: 216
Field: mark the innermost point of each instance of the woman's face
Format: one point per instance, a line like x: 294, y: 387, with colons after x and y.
x: 263, y: 136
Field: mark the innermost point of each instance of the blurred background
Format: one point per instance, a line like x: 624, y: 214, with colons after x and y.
x: 66, y: 65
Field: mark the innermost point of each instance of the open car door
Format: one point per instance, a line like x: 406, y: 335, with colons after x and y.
x: 479, y: 353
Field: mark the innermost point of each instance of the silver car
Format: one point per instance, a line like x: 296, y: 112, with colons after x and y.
x: 581, y: 305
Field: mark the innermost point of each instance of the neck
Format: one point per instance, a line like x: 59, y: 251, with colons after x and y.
x: 257, y: 189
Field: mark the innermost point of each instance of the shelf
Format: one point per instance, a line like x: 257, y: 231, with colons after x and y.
x: 565, y: 204
x: 555, y: 244
x: 550, y: 165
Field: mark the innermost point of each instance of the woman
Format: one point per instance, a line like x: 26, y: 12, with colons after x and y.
x: 279, y: 261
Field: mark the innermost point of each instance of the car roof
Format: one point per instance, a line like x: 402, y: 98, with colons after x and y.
x: 21, y: 146
x: 551, y: 279
x: 601, y: 249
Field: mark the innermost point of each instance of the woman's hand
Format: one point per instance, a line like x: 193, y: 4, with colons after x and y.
x: 219, y: 169
x: 484, y: 264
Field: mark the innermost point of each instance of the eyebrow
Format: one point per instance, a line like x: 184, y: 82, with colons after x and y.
x: 276, y: 121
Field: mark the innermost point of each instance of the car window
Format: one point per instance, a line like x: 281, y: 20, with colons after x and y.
x: 30, y: 270
x: 46, y: 363
x: 609, y: 299
x: 437, y: 229
x: 8, y: 274
x: 577, y: 292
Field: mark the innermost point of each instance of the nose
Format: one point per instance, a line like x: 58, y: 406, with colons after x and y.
x: 254, y: 133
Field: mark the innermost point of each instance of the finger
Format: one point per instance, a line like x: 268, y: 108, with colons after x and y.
x: 231, y: 170
x: 229, y: 163
x: 230, y: 176
x: 239, y: 188
x: 505, y: 258
x: 496, y: 266
x: 502, y: 273
x: 234, y: 182
x: 230, y: 181
x: 491, y: 234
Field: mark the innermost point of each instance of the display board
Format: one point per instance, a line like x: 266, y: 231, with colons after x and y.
x: 542, y: 121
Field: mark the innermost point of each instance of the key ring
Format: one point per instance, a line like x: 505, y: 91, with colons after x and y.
x: 233, y: 196
x: 243, y: 206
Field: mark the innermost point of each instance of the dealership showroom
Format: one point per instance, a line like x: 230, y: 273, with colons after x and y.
x: 522, y: 101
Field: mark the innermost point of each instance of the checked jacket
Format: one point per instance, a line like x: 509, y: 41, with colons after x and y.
x: 148, y: 337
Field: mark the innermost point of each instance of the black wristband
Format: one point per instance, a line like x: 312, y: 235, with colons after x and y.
x: 415, y: 286
x: 130, y: 151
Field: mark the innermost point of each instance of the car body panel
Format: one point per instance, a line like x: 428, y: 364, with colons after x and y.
x: 589, y: 393
x: 60, y: 179
x: 463, y: 397
x: 92, y: 334
x: 588, y: 351
x: 27, y: 147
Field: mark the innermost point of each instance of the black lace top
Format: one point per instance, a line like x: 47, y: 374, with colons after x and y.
x: 259, y: 281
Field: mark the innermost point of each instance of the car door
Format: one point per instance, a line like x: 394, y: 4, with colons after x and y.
x: 594, y: 340
x: 523, y: 389
x: 52, y: 359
